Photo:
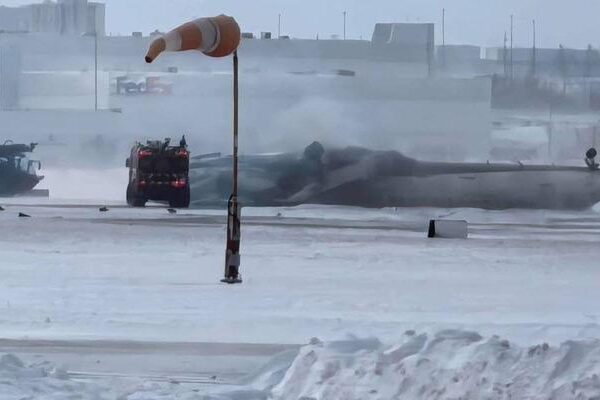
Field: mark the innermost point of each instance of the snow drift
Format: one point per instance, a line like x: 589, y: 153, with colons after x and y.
x: 447, y: 365
x: 451, y: 364
x: 41, y: 381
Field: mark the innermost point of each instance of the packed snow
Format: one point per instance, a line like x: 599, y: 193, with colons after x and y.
x: 77, y: 273
x: 447, y: 365
x: 73, y: 274
x: 450, y: 364
x: 44, y: 381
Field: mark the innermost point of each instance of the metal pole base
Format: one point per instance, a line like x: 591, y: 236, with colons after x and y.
x: 231, y: 281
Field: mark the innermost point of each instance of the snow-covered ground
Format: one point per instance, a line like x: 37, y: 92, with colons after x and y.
x: 75, y: 275
x: 447, y: 365
x: 450, y: 364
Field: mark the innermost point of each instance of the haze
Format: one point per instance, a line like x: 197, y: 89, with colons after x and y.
x: 483, y: 23
x: 402, y: 216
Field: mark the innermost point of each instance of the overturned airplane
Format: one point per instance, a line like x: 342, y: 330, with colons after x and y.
x: 360, y: 177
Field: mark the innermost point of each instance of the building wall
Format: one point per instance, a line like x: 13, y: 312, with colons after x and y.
x: 292, y: 92
x: 71, y: 90
x: 45, y: 17
x: 400, y: 33
x: 417, y: 40
x: 572, y: 64
x: 423, y: 117
x: 67, y: 17
x: 10, y: 71
x: 543, y: 56
x: 14, y: 19
x: 458, y: 54
x: 70, y: 52
x: 96, y: 19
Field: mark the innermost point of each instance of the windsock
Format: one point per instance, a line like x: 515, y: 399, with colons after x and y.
x: 215, y: 36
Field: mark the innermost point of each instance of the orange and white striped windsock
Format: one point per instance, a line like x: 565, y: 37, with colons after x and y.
x: 215, y: 36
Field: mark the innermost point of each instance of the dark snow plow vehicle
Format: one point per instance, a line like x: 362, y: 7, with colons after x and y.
x: 17, y: 172
x: 159, y: 172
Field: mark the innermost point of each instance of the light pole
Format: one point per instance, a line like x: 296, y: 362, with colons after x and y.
x: 511, y: 47
x: 215, y: 37
x: 345, y: 13
x: 505, y: 56
x: 534, y: 54
x: 443, y: 27
x: 95, y: 71
x: 444, y: 37
x: 95, y: 36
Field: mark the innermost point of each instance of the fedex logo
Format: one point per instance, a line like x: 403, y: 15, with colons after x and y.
x: 126, y: 85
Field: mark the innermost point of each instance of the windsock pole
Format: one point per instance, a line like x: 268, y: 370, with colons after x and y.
x: 235, y: 123
x: 215, y: 37
x: 232, y: 253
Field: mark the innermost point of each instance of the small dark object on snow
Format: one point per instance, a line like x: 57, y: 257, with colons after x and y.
x: 1, y: 208
x: 172, y: 211
x: 590, y: 159
x: 21, y: 215
x: 103, y: 209
x: 431, y: 231
x: 448, y: 229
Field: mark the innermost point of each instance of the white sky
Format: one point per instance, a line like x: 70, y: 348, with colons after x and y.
x: 575, y: 23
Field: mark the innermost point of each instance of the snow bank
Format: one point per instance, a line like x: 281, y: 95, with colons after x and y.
x: 41, y: 381
x: 451, y: 364
x: 447, y: 365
